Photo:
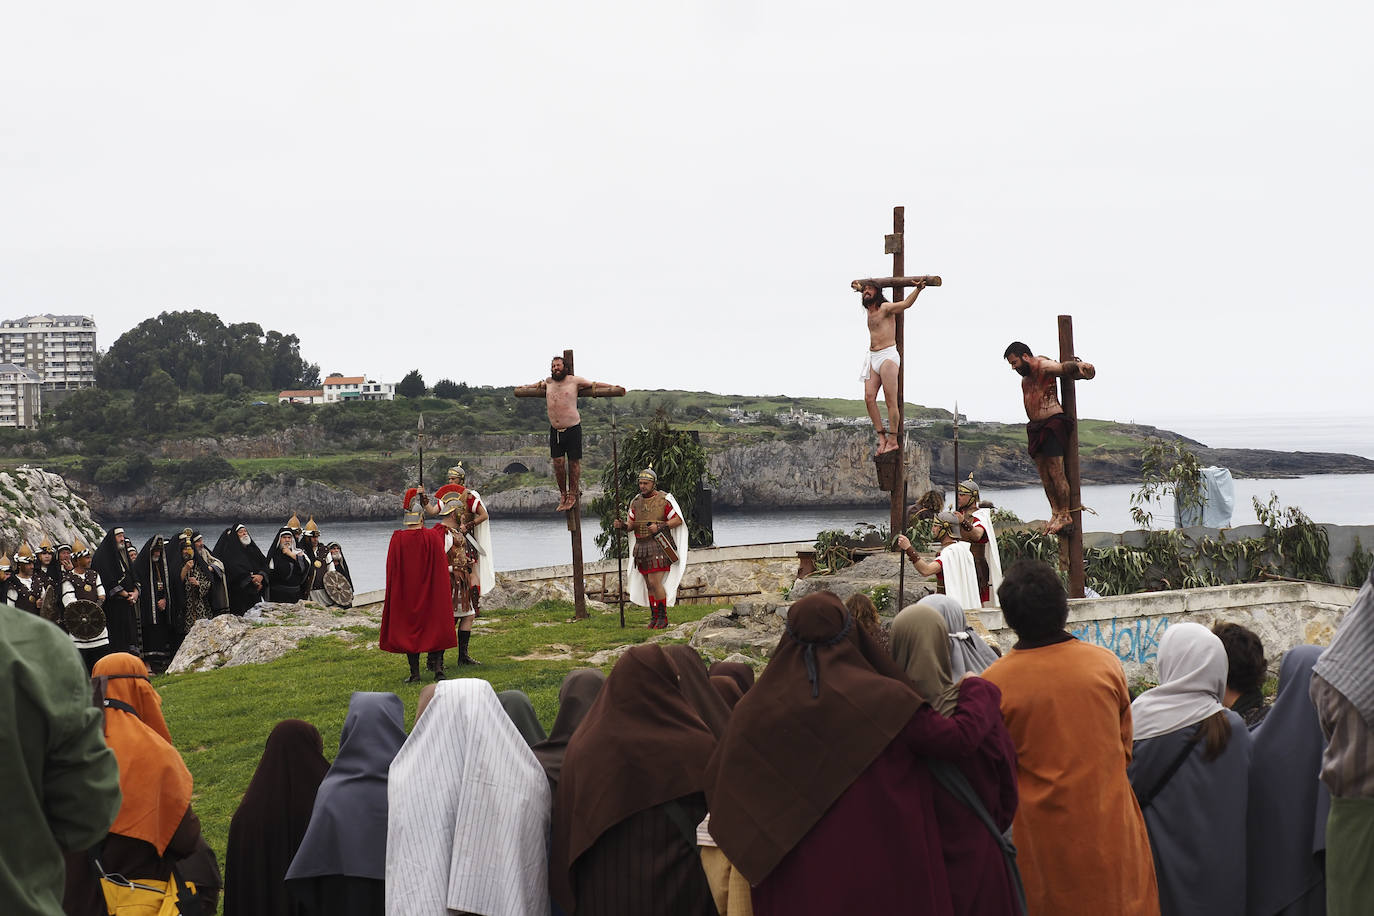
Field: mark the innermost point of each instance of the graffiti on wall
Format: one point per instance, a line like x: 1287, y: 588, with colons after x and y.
x: 1134, y: 640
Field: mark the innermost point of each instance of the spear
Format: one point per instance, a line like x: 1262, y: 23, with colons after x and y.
x: 615, y: 544
x: 956, y: 455
x: 420, y: 439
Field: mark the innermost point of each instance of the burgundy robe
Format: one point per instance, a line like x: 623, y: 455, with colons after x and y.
x: 888, y: 833
x: 417, y: 613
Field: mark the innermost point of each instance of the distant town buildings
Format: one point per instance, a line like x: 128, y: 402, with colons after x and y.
x: 58, y: 354
x: 20, y: 397
x: 338, y: 387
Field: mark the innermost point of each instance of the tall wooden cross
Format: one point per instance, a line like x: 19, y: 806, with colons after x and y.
x: 1071, y: 542
x: 898, y: 283
x: 574, y: 515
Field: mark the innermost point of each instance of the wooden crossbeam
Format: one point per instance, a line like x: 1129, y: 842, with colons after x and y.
x: 896, y: 282
x: 597, y: 390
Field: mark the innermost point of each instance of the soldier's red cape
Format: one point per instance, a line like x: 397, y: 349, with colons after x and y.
x: 417, y: 614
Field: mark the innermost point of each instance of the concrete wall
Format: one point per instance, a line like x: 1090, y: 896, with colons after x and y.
x: 1284, y: 614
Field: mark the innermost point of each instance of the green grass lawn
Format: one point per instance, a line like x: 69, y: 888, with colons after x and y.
x: 220, y: 719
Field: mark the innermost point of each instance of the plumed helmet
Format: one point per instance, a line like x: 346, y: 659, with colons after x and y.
x: 451, y: 503
x: 649, y: 474
x: 457, y: 473
x: 944, y: 525
x: 969, y: 488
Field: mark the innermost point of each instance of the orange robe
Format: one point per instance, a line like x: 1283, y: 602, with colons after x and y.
x: 1080, y: 837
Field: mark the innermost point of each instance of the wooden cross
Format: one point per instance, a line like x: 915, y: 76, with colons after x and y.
x: 1071, y: 543
x: 574, y: 514
x: 898, y: 283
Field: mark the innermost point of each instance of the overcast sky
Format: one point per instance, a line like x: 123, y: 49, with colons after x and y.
x: 682, y: 191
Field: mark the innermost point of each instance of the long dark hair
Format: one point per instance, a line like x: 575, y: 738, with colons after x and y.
x: 1216, y: 734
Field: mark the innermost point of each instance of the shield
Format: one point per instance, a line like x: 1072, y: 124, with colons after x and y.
x: 51, y: 608
x: 337, y: 587
x: 84, y: 619
x: 668, y: 545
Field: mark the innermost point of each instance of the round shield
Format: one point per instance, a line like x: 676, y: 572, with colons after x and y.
x: 84, y: 619
x: 338, y: 589
x: 51, y: 608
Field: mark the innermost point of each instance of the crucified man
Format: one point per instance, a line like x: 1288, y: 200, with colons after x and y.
x: 565, y: 429
x: 883, y: 360
x: 1047, y: 433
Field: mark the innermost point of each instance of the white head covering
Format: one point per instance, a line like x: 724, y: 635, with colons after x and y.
x: 1192, y: 681
x: 469, y: 811
x: 968, y: 654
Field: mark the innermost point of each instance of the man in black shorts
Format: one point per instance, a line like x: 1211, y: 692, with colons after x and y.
x: 1047, y: 433
x: 565, y: 428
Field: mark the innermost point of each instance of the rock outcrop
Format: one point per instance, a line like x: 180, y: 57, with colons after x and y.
x: 832, y: 468
x: 35, y: 503
x: 227, y: 640
x: 245, y: 499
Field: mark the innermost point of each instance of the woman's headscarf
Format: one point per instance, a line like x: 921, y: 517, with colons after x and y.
x: 1192, y: 681
x: 468, y: 811
x: 968, y: 653
x: 575, y: 699
x: 920, y: 645
x: 1286, y: 820
x: 741, y: 673
x: 271, y: 821
x: 124, y: 677
x: 830, y: 701
x: 517, y: 705
x: 641, y: 745
x: 728, y: 688
x: 347, y: 832
x: 153, y: 778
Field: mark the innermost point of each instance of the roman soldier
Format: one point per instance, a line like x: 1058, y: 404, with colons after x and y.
x: 660, y: 550
x: 23, y: 588
x: 976, y: 528
x: 413, y: 507
x: 953, y: 569
x: 82, y: 583
x: 318, y: 558
x: 417, y: 610
x: 474, y: 528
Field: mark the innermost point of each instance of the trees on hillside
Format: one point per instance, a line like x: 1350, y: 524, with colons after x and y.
x: 197, y: 350
x: 412, y: 386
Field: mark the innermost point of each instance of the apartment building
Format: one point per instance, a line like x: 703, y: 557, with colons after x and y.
x: 60, y: 348
x: 19, y: 396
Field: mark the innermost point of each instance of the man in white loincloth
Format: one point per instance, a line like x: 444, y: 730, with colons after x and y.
x: 882, y: 361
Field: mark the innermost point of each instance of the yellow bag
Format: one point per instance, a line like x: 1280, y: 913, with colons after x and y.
x: 145, y: 896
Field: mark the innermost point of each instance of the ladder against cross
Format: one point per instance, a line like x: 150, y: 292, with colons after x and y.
x: 574, y: 515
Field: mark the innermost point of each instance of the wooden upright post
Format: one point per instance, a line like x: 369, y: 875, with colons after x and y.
x: 575, y: 526
x: 1073, y: 541
x: 893, y: 246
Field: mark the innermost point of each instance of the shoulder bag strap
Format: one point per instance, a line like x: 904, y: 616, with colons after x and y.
x: 956, y: 783
x: 1163, y: 780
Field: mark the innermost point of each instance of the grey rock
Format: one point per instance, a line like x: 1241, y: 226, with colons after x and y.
x: 35, y: 503
x: 227, y: 640
x: 722, y: 631
x: 864, y: 576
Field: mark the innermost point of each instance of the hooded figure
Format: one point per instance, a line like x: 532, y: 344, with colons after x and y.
x: 339, y: 561
x: 575, y: 698
x: 1286, y: 818
x: 979, y: 881
x: 517, y: 705
x: 818, y: 806
x: 270, y: 822
x: 968, y: 653
x: 117, y: 574
x: 340, y: 867
x: 156, y: 829
x: 630, y: 797
x: 288, y: 568
x: 245, y: 568
x: 467, y: 812
x: 1190, y: 771
x: 160, y: 604
x: 218, y: 596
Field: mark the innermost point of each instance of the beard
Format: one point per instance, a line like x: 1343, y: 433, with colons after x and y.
x: 1023, y: 370
x: 245, y: 540
x: 558, y: 374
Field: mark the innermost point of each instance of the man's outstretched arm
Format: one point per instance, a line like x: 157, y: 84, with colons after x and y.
x: 908, y: 302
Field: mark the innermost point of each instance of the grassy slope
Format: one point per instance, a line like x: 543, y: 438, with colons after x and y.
x: 221, y: 719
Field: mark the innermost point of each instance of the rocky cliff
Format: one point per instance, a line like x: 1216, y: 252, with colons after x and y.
x: 832, y: 468
x: 35, y: 503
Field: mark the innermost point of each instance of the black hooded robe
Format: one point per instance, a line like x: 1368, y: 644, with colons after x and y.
x: 288, y: 576
x: 117, y: 574
x: 241, y: 563
x: 163, y: 627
